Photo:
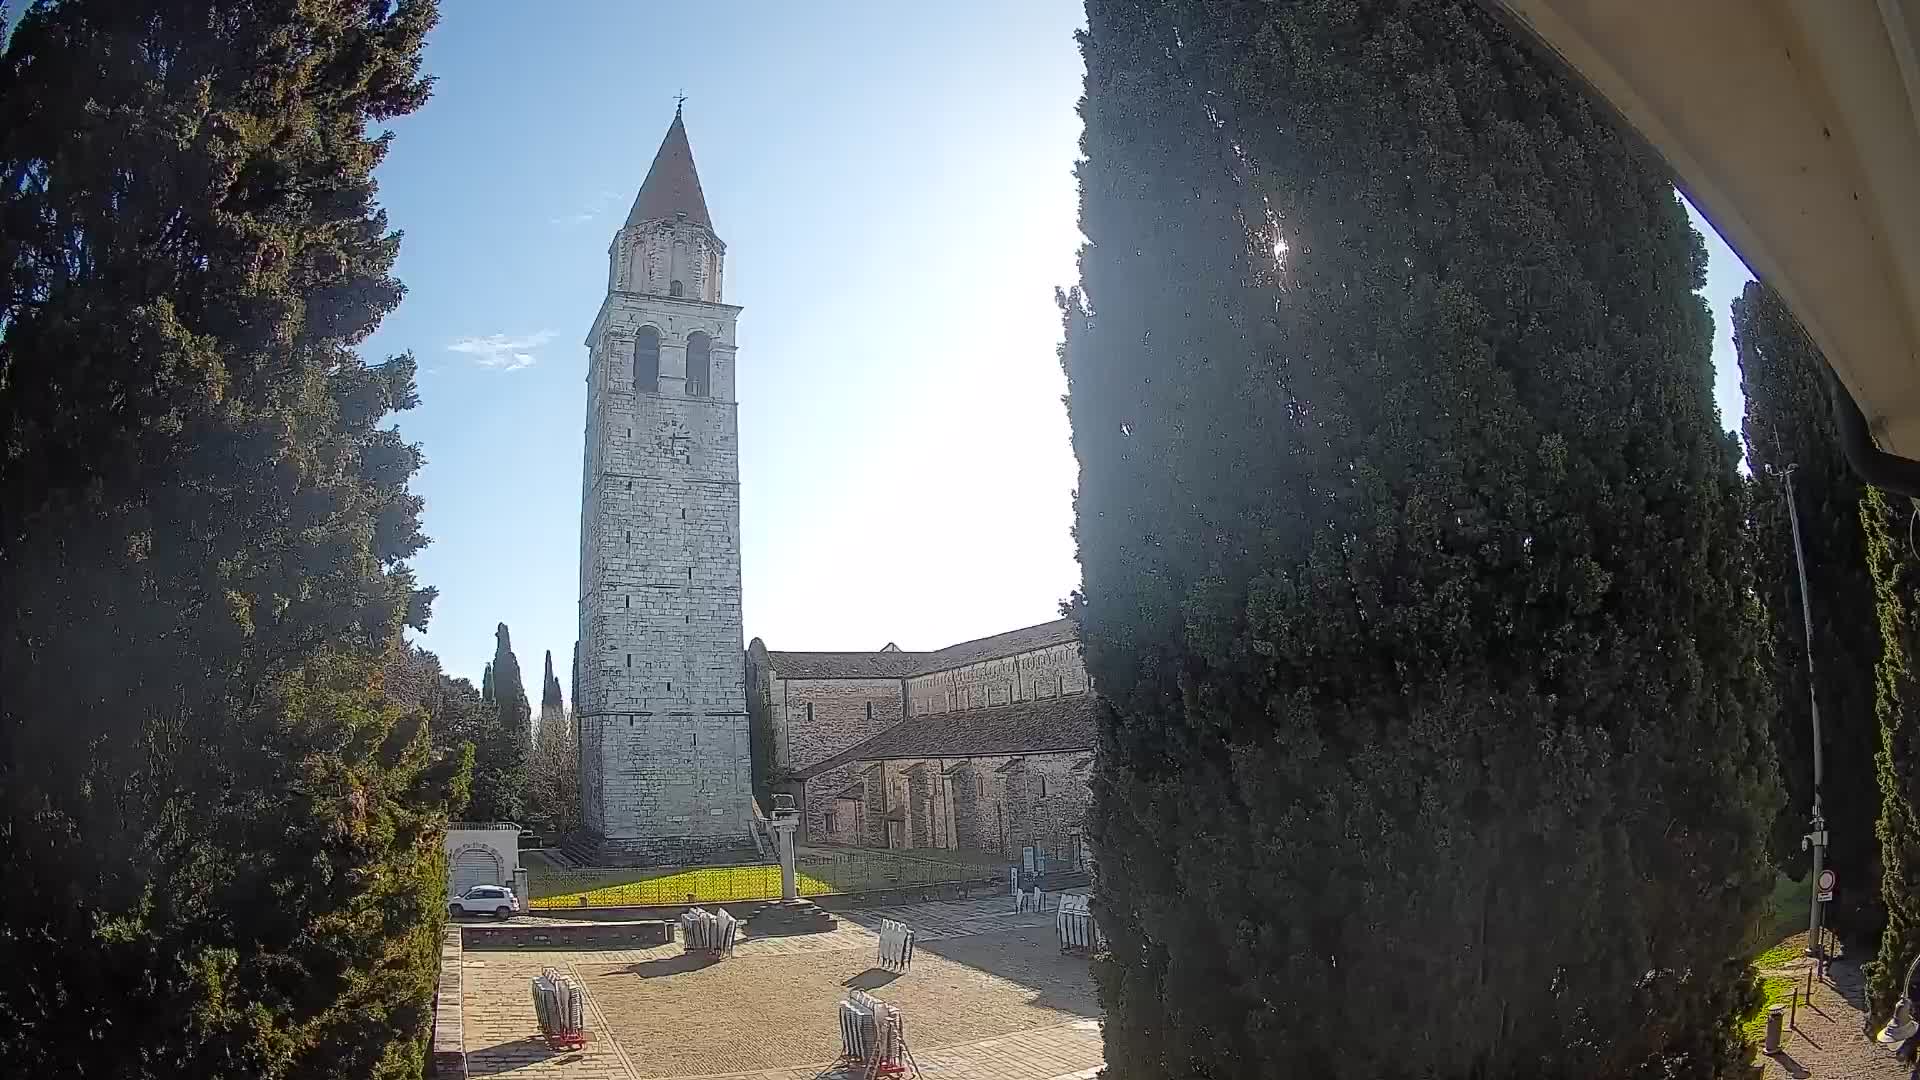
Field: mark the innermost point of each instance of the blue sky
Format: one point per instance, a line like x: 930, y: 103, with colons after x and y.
x: 894, y: 183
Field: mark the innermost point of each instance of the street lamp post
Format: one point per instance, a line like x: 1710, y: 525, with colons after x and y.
x: 1816, y: 838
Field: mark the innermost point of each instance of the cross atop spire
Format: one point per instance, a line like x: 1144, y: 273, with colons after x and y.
x: 672, y: 186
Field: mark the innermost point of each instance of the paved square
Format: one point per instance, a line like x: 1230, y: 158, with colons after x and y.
x: 989, y: 996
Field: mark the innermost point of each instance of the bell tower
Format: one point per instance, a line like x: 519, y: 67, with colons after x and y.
x: 664, y: 759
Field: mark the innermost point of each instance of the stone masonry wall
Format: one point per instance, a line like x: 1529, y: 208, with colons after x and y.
x: 814, y: 719
x: 1028, y: 676
x: 818, y: 799
x: 1047, y: 803
x: 665, y: 773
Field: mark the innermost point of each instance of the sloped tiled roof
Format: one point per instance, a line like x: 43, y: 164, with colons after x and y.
x: 997, y: 647
x: 1050, y: 725
x: 892, y: 663
x: 843, y: 665
x: 672, y: 186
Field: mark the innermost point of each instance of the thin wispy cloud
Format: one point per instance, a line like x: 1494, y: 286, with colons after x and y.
x: 601, y: 202
x: 499, y: 352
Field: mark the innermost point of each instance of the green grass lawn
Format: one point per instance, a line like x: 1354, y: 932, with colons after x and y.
x: 817, y: 873
x: 1778, y: 988
x: 552, y: 886
x: 1779, y: 938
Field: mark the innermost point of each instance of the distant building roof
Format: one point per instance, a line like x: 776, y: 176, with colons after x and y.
x: 1050, y: 725
x: 998, y: 647
x: 893, y: 663
x: 843, y: 665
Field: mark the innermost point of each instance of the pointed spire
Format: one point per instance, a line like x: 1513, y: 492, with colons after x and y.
x: 672, y: 186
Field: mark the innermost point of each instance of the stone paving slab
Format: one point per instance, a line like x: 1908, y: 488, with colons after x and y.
x: 1039, y: 1054
x: 982, y: 970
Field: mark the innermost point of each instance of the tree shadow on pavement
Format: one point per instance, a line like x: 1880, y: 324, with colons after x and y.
x: 1794, y: 1068
x: 512, y: 1057
x: 1030, y: 958
x: 666, y: 965
x: 871, y: 979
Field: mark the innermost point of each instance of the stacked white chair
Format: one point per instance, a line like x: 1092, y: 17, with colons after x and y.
x: 711, y: 932
x: 856, y: 1031
x: 1074, y: 923
x: 872, y: 1037
x: 560, y: 1006
x: 896, y: 945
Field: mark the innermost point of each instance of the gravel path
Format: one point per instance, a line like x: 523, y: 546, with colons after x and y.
x: 1827, y: 1042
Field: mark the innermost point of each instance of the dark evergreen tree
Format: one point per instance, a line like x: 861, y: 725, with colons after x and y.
x: 553, y: 770
x: 1436, y: 740
x: 760, y: 737
x: 452, y: 707
x: 550, y: 700
x: 509, y: 692
x: 1896, y: 574
x: 222, y: 846
x: 486, y: 685
x: 500, y: 756
x: 1789, y: 423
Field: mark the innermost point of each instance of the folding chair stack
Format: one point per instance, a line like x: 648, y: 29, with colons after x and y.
x: 1075, y: 926
x: 896, y: 946
x: 709, y: 932
x: 560, y: 1006
x: 873, y: 1041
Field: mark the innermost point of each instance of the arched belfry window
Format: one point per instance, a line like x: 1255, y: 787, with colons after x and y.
x: 679, y: 268
x: 699, y: 365
x: 646, y: 360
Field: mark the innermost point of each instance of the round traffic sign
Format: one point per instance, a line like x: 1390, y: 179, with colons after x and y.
x: 1826, y: 881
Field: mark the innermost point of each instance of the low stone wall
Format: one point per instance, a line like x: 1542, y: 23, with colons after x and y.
x: 913, y: 894
x: 632, y: 934
x: 448, y: 1060
x: 739, y: 909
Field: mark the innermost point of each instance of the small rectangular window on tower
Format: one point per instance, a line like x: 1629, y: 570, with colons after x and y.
x: 869, y: 710
x: 809, y: 712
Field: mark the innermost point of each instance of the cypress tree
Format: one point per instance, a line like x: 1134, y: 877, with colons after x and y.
x: 1789, y: 423
x: 1436, y: 730
x: 500, y: 756
x: 1896, y: 576
x: 550, y: 701
x: 553, y: 771
x: 510, y: 694
x: 222, y: 845
x: 486, y: 685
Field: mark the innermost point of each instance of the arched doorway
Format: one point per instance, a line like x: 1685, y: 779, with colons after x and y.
x: 475, y: 865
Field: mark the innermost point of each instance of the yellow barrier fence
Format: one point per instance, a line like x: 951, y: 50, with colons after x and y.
x: 817, y: 874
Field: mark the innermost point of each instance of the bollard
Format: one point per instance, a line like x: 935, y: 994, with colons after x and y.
x: 1776, y: 1020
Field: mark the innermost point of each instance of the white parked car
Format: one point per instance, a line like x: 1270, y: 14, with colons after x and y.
x: 494, y: 900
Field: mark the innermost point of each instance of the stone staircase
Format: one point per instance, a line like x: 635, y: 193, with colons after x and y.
x: 783, y: 918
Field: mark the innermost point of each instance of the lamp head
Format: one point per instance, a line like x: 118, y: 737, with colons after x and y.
x: 1900, y: 1028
